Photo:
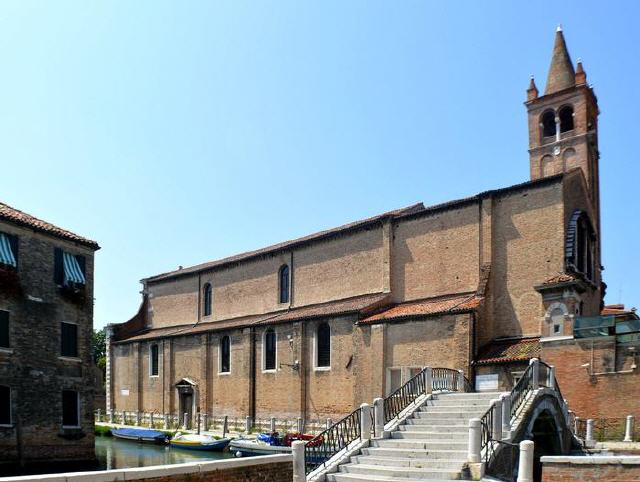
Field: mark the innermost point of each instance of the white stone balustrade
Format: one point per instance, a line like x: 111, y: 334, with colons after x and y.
x: 365, y: 421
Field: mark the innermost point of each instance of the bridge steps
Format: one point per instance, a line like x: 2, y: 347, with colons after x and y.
x: 430, y: 446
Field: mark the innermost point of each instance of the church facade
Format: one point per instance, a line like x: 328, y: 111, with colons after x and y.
x: 315, y: 326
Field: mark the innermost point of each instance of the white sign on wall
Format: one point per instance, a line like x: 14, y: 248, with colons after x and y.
x: 124, y: 392
x: 487, y: 382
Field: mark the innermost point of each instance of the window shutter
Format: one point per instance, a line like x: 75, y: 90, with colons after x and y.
x: 82, y: 262
x: 69, y: 338
x: 13, y: 242
x: 58, y: 268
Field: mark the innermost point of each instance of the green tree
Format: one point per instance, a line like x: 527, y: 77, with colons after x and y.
x: 99, y: 349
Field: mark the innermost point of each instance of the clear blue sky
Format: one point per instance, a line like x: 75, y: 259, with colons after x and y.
x: 179, y: 132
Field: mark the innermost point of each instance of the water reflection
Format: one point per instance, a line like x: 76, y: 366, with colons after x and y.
x: 121, y: 454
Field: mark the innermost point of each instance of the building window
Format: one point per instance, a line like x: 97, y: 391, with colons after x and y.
x: 566, y: 118
x: 8, y: 250
x: 557, y: 322
x: 70, y: 409
x: 548, y: 124
x: 323, y: 346
x: 284, y: 284
x: 270, y: 354
x: 5, y: 405
x: 68, y: 269
x: 581, y: 246
x: 153, y: 360
x: 225, y: 354
x: 4, y: 329
x: 207, y: 295
x: 69, y: 339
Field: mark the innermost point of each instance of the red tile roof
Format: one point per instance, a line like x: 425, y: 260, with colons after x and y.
x: 509, y: 350
x: 433, y: 306
x: 358, y: 305
x: 620, y: 311
x: 16, y: 216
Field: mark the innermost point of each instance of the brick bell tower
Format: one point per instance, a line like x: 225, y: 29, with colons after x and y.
x: 563, y: 123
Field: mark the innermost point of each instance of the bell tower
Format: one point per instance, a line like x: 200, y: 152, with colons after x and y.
x: 563, y: 122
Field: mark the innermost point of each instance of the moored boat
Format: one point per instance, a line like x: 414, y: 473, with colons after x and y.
x: 198, y: 442
x: 266, y: 444
x: 140, y: 435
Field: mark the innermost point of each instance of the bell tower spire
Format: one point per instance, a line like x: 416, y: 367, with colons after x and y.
x: 563, y: 123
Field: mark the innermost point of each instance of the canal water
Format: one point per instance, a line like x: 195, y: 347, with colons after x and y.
x: 113, y: 453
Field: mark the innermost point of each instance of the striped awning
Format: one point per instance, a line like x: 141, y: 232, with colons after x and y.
x: 72, y: 270
x: 6, y: 254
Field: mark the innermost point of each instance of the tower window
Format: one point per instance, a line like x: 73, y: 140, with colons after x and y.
x: 207, y: 296
x: 269, y: 348
x: 153, y: 360
x: 70, y: 409
x: 548, y: 124
x: 323, y: 346
x: 566, y: 118
x: 225, y: 354
x: 581, y: 245
x: 284, y: 284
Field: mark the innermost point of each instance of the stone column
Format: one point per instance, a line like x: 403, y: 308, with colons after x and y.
x: 329, y: 423
x: 525, y: 471
x: 272, y: 424
x: 300, y: 425
x: 299, y: 472
x: 365, y: 421
x: 552, y: 377
x: 108, y: 330
x: 99, y: 415
x: 536, y: 372
x: 576, y: 423
x: 475, y: 441
x: 185, y: 420
x: 628, y: 433
x: 589, y: 437
x: 247, y: 425
x: 378, y: 416
x: 496, y: 430
x: 428, y: 380
x: 460, y: 381
x: 111, y: 416
x: 151, y: 420
x: 166, y: 421
x: 506, y: 416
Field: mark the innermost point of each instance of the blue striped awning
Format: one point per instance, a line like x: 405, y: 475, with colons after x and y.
x: 6, y: 254
x: 72, y: 271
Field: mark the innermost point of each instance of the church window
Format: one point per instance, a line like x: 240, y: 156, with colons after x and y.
x: 225, y: 354
x: 566, y: 118
x: 284, y: 284
x: 269, y: 348
x: 207, y: 296
x: 323, y: 346
x: 153, y: 360
x: 548, y: 124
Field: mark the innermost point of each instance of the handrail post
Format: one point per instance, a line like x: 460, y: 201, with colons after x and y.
x: 329, y: 422
x: 460, y: 381
x: 299, y: 469
x: 552, y: 378
x: 365, y: 421
x: 475, y: 441
x: 535, y: 376
x: 428, y: 380
x: 496, y: 430
x: 628, y: 432
x: 525, y: 471
x: 588, y: 440
x: 378, y: 417
x: 576, y: 423
x: 505, y: 400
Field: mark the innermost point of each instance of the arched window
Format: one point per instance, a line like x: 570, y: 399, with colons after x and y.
x: 284, y: 284
x: 566, y: 118
x: 153, y: 360
x: 323, y: 346
x: 206, y: 299
x: 548, y: 123
x: 225, y: 354
x: 581, y: 245
x: 269, y: 349
x: 557, y: 322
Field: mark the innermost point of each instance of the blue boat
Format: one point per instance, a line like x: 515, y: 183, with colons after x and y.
x: 140, y: 435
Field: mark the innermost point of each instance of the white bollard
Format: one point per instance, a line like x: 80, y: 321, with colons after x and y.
x: 628, y: 432
x: 151, y: 420
x: 138, y: 419
x: 576, y: 424
x: 299, y: 472
x: 378, y: 416
x: 272, y: 424
x: 365, y: 421
x: 247, y: 425
x: 99, y: 415
x: 552, y: 378
x: 525, y: 470
x: 300, y: 425
x: 166, y: 421
x: 185, y: 420
x: 428, y: 380
x: 506, y: 416
x: 589, y: 437
x: 475, y: 441
x: 111, y: 416
x: 496, y: 430
x: 536, y: 372
x: 460, y: 381
x: 329, y: 423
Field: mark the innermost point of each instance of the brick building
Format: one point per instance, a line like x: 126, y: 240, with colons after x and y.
x: 314, y: 326
x: 46, y: 324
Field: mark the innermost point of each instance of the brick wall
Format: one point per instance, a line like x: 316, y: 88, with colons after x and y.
x: 33, y: 367
x: 591, y: 469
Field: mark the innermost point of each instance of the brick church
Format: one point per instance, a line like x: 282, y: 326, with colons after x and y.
x: 315, y: 326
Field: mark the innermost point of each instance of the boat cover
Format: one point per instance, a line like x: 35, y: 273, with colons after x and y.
x: 139, y: 432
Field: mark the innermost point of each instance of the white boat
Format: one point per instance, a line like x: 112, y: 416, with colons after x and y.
x: 192, y: 441
x: 250, y: 447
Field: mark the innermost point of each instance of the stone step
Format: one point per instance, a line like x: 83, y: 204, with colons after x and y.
x: 419, y: 444
x: 409, y: 453
x: 448, y: 414
x: 439, y: 422
x: 468, y: 395
x: 424, y: 435
x: 441, y: 402
x: 436, y: 429
x: 409, y: 462
x: 404, y: 472
x: 471, y: 409
x: 345, y: 477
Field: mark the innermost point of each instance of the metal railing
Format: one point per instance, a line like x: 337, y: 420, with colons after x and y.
x: 331, y: 441
x: 519, y: 393
x: 486, y: 427
x: 447, y: 379
x: 404, y: 396
x: 501, y: 460
x: 605, y: 429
